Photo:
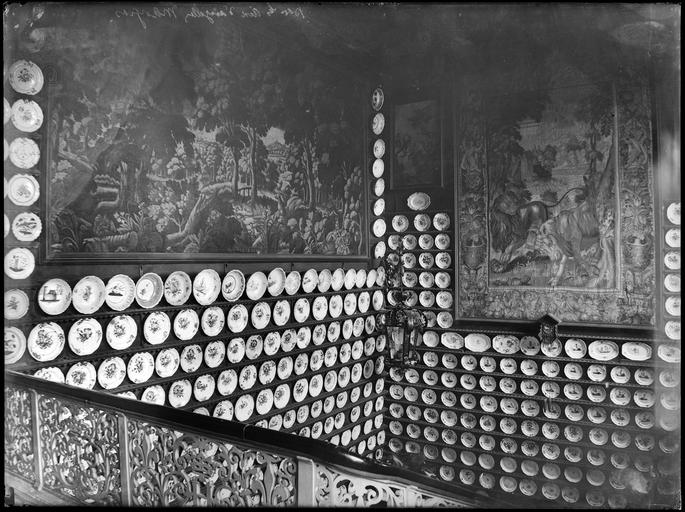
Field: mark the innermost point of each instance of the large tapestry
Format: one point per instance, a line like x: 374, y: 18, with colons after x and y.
x: 555, y: 205
x: 200, y: 130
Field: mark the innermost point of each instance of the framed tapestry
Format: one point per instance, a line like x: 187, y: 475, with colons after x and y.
x: 200, y: 140
x: 555, y: 205
x: 417, y: 127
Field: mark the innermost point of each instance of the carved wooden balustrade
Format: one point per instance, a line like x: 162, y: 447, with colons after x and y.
x: 77, y: 446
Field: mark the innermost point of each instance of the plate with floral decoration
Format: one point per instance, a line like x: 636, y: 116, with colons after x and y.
x: 673, y: 306
x: 379, y: 249
x: 360, y: 278
x: 204, y: 387
x: 167, y: 362
x: 281, y: 396
x: 235, y: 351
x: 88, y: 295
x: 215, y: 353
x: 335, y: 306
x: 17, y: 304
x: 227, y: 382
x: 272, y: 343
x: 324, y: 280
x: 254, y: 346
x: 673, y: 213
x: 265, y: 401
x: 141, y: 366
x: 304, y: 336
x: 180, y: 393
x: 26, y: 227
x: 288, y: 340
x: 24, y: 152
x: 422, y: 222
x: 350, y: 278
x: 256, y: 285
x: 267, y: 372
x: 82, y: 375
x: 673, y: 237
x: 338, y: 279
x: 261, y: 315
x: 445, y: 319
x: 15, y: 345
x: 378, y: 168
x: 237, y: 318
x: 157, y: 327
x: 400, y: 223
x: 121, y: 332
x: 301, y: 309
x: 85, y: 336
x: 27, y: 116
x: 418, y: 201
x: 276, y: 281
x: 52, y: 374
x: 153, y: 395
x: 281, y: 312
x: 233, y: 285
x: 23, y: 189
x: 378, y: 228
x: 191, y: 358
x: 672, y: 329
x: 19, y: 263
x: 378, y: 123
x: 212, y: 321
x: 636, y: 351
x: 292, y: 282
x: 443, y: 260
x: 301, y: 363
x: 224, y: 410
x: 186, y: 324
x: 111, y: 372
x: 26, y: 77
x: 442, y: 241
x: 310, y: 281
x: 379, y: 148
x: 206, y: 286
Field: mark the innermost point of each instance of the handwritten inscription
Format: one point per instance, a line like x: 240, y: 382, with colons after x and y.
x: 206, y: 14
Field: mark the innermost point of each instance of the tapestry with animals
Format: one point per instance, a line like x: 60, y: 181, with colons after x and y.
x: 555, y: 205
x: 173, y: 133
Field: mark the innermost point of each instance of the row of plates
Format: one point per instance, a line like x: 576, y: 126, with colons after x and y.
x: 595, y: 393
x: 426, y: 279
x: 47, y: 340
x: 425, y: 298
x: 90, y: 293
x: 425, y: 260
x: 400, y: 223
x: 672, y: 327
x: 426, y: 242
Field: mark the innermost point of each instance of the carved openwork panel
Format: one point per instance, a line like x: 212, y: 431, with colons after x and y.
x: 173, y: 468
x: 19, y: 456
x: 80, y: 451
x: 336, y: 489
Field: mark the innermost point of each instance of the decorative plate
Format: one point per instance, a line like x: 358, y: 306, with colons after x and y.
x: 186, y: 324
x: 673, y: 213
x: 378, y: 123
x: 427, y: 298
x: 82, y: 375
x: 477, y: 342
x: 350, y: 303
x: 442, y: 241
x: 360, y: 278
x: 669, y: 353
x: 301, y: 363
x: 254, y: 346
x: 215, y: 352
x: 153, y: 395
x: 281, y: 312
x: 672, y: 329
x: 88, y: 295
x: 418, y: 201
x: 256, y: 285
x: 17, y: 304
x: 529, y: 345
x: 85, y: 336
x: 377, y: 99
x: 426, y: 259
x: 442, y: 279
x: 180, y: 393
x: 261, y: 315
x: 422, y: 222
x: 212, y: 321
x: 310, y: 281
x: 267, y: 372
x: 672, y: 235
x: 167, y: 362
x: 26, y: 226
x: 335, y: 306
x: 300, y: 390
x: 281, y: 396
x: 235, y: 350
x: 111, y: 372
x: 149, y: 290
x: 379, y: 187
x: 204, y: 387
x: 672, y: 260
x: 443, y: 260
x: 224, y: 410
x: 575, y: 348
x: 377, y: 169
x: 552, y: 349
x: 265, y: 401
x: 276, y: 281
x: 27, y: 115
x: 441, y: 221
x: 452, y: 340
x: 505, y: 344
x: 206, y: 286
x: 237, y: 317
x: 603, y: 350
x: 673, y: 306
x: 350, y: 278
x: 301, y: 310
x: 409, y: 242
x: 121, y: 332
x: 191, y: 358
x: 141, y: 366
x: 364, y: 302
x: 400, y: 223
x: 52, y: 374
x: 15, y: 345
x: 379, y: 207
x: 24, y: 153
x: 23, y: 189
x: 672, y: 283
x: 292, y: 282
x: 272, y: 343
x: 25, y: 77
x: 54, y: 296
x: 233, y: 285
x: 324, y: 280
x: 120, y: 292
x: 444, y: 299
x: 426, y: 242
x: 227, y: 382
x: 636, y: 351
x: 379, y: 148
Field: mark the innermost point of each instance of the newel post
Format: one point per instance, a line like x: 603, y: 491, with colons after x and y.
x: 306, y: 482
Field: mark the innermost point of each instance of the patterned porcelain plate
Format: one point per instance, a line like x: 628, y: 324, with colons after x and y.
x: 441, y: 221
x: 82, y: 375
x: 24, y: 152
x: 281, y: 312
x: 191, y: 358
x: 350, y: 278
x: 26, y: 226
x: 180, y: 393
x: 256, y: 285
x: 212, y: 321
x: 310, y: 281
x: 276, y: 281
x: 672, y: 235
x: 669, y: 353
x: 167, y: 362
x: 272, y: 343
x: 265, y: 401
x: 141, y: 366
x: 120, y: 292
x: 204, y: 387
x: 379, y: 187
x: 149, y: 290
x: 235, y: 350
x: 111, y: 372
x: 186, y: 324
x: 254, y: 346
x: 422, y: 222
x: 237, y: 318
x: 672, y: 260
x: 19, y: 263
x: 88, y: 295
x: 224, y: 410
x: 15, y: 345
x: 17, y: 304
x: 154, y: 395
x: 267, y: 372
x: 25, y: 77
x: 378, y: 168
x: 575, y: 348
x: 27, y: 115
x: 477, y: 342
x: 281, y: 396
x: 673, y: 306
x: 227, y: 382
x: 335, y: 306
x: 233, y: 285
x: 52, y: 374
x: 443, y: 260
x: 378, y: 228
x: 672, y: 329
x: 505, y: 344
x: 636, y: 351
x: 400, y: 223
x: 23, y: 189
x: 215, y: 353
x: 603, y: 350
x: 379, y: 148
x: 301, y: 309
x: 206, y: 286
x: 261, y: 315
x: 672, y: 283
x: 54, y: 296
x: 292, y: 282
x: 85, y: 336
x: 121, y: 332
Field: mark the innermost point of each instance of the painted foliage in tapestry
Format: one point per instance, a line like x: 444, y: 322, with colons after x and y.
x: 178, y: 135
x: 556, y: 214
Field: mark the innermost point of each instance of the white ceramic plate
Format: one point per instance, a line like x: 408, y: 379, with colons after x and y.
x: 17, y: 304
x: 400, y: 223
x: 157, y: 327
x: 224, y: 410
x: 167, y: 362
x: 227, y: 382
x: 418, y: 201
x: 377, y: 99
x: 338, y: 279
x: 673, y: 213
x: 85, y: 336
x: 261, y: 315
x: 272, y: 343
x: 149, y: 290
x: 206, y: 286
x: 672, y: 329
x: 180, y: 393
x: 120, y: 292
x: 204, y: 387
x: 673, y: 306
x: 292, y: 282
x: 88, y: 295
x: 24, y: 152
x: 235, y: 350
x: 15, y: 345
x: 379, y: 148
x: 186, y: 324
x: 276, y: 281
x: 281, y: 312
x: 82, y: 375
x: 254, y: 346
x: 54, y: 296
x: 46, y: 341
x: 378, y: 123
x: 378, y: 228
x: 441, y: 221
x: 191, y: 358
x: 26, y: 226
x: 379, y: 187
x: 23, y: 189
x: 301, y: 309
x: 153, y: 395
x: 477, y: 342
x: 111, y: 372
x: 603, y: 350
x: 378, y: 207
x: 237, y: 318
x: 233, y: 285
x: 256, y: 285
x: 378, y: 168
x: 310, y: 280
x: 25, y: 77
x: 27, y: 115
x: 672, y: 283
x: 121, y: 332
x: 673, y: 237
x: 212, y: 321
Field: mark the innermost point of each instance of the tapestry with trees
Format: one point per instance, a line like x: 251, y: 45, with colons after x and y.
x: 207, y: 138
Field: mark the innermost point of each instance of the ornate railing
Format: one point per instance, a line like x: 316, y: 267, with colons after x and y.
x: 86, y: 447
